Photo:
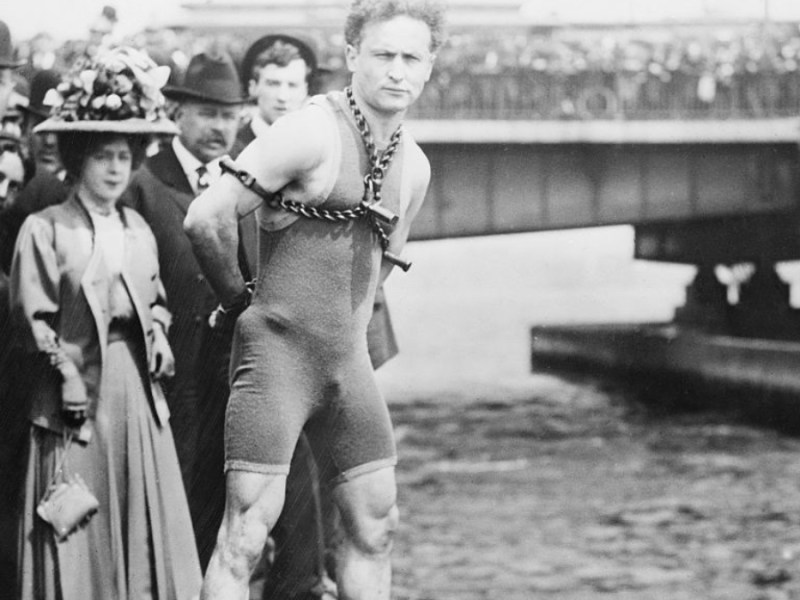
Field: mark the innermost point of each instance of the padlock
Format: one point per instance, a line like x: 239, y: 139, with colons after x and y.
x: 383, y: 214
x: 397, y: 261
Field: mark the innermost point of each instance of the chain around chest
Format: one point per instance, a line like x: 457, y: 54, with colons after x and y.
x: 369, y: 208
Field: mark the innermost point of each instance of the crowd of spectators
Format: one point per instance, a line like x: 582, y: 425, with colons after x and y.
x: 645, y: 72
x: 624, y: 73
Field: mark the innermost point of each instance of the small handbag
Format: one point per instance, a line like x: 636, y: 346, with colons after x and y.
x: 68, y: 503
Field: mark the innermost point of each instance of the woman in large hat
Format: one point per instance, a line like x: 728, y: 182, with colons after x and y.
x: 85, y: 278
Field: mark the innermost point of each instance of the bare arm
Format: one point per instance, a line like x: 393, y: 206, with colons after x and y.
x: 211, y: 224
x: 287, y: 152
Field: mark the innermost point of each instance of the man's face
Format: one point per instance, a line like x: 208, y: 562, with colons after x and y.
x: 43, y: 148
x: 12, y: 174
x: 6, y: 87
x: 279, y: 90
x: 392, y: 63
x: 208, y: 130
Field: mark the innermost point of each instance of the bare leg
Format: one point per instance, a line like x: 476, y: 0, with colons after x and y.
x: 253, y: 503
x: 368, y: 506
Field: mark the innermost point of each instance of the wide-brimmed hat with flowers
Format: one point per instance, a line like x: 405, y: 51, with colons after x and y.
x: 118, y: 92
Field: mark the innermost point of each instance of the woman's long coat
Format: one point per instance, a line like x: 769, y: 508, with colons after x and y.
x: 57, y: 277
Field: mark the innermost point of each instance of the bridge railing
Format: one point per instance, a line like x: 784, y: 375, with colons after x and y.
x: 529, y: 94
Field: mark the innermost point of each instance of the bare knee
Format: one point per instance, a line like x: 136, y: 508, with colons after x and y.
x: 241, y: 541
x: 254, y: 503
x: 370, y: 516
x: 376, y: 534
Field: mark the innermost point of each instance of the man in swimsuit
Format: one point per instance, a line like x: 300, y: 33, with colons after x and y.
x: 328, y: 181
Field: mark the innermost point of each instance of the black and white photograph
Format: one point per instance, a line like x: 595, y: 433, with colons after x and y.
x: 400, y: 300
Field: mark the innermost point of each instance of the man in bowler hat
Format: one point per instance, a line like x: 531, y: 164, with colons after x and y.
x: 42, y: 149
x: 14, y: 416
x: 11, y: 442
x: 8, y: 63
x: 209, y: 101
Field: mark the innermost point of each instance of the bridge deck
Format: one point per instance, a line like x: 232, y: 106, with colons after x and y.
x: 748, y: 131
x: 511, y: 176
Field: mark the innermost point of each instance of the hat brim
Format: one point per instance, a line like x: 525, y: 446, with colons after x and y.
x: 181, y: 93
x: 30, y: 110
x: 11, y: 64
x: 261, y: 44
x: 126, y: 126
x: 9, y: 137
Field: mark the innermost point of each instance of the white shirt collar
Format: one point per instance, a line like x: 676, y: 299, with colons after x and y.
x: 190, y: 163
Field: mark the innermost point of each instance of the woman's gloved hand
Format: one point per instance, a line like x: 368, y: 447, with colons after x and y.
x: 162, y: 361
x: 74, y: 401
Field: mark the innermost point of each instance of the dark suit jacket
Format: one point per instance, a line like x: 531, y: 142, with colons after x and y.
x: 160, y: 191
x: 58, y: 277
x: 43, y: 190
x: 244, y: 136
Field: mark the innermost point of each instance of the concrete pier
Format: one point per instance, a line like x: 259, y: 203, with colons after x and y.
x: 667, y: 350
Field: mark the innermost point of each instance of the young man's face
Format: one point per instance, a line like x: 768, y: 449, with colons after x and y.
x: 208, y: 130
x: 392, y: 63
x: 279, y: 90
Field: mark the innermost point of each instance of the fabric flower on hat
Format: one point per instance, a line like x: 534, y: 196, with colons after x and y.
x: 123, y: 83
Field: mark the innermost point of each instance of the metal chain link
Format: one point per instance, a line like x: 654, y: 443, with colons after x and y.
x: 378, y: 164
x: 322, y: 214
x: 373, y: 181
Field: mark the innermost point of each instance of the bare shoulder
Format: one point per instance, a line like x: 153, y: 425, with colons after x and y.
x: 419, y: 167
x: 294, y: 145
x: 309, y: 120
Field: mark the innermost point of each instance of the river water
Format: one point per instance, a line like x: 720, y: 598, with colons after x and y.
x: 521, y: 485
x: 463, y: 312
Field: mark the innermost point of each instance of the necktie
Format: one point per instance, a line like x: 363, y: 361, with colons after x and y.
x: 203, y: 179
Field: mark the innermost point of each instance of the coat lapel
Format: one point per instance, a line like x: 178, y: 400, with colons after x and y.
x: 94, y: 281
x: 166, y: 167
x: 130, y: 284
x: 143, y: 315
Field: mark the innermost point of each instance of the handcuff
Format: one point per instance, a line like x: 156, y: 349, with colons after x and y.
x: 233, y: 308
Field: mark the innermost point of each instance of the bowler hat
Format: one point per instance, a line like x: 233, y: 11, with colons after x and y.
x: 44, y: 80
x: 7, y: 60
x: 264, y: 43
x: 208, y: 78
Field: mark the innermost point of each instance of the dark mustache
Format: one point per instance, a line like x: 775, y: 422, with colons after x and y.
x: 215, y: 139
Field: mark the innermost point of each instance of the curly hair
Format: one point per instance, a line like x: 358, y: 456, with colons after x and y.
x: 362, y: 12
